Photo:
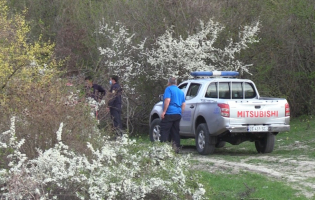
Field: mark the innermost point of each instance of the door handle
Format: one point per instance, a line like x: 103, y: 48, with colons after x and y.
x: 191, y: 106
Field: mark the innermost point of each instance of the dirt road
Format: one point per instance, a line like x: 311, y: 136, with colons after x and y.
x: 299, y: 173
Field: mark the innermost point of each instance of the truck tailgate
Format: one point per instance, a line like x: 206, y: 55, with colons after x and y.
x: 257, y: 111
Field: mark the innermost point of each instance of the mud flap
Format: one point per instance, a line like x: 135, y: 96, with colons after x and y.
x: 213, y: 140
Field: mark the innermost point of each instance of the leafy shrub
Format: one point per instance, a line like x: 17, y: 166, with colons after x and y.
x: 39, y: 107
x: 119, y: 169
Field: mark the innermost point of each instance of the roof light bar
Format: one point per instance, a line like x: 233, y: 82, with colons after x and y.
x: 214, y: 73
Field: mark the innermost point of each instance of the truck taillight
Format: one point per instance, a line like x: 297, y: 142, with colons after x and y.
x: 287, y: 110
x: 225, y: 109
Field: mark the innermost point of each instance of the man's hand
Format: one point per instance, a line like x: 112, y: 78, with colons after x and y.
x: 183, y: 107
x: 163, y: 115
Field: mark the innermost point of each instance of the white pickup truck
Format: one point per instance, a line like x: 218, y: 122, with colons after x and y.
x: 221, y: 108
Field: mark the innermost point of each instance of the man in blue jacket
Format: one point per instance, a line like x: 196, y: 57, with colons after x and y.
x: 173, y: 106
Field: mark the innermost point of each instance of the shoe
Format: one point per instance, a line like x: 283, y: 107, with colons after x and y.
x: 176, y: 149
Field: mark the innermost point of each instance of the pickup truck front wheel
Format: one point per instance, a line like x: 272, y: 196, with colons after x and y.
x: 155, y: 130
x: 203, y: 144
x: 265, y: 144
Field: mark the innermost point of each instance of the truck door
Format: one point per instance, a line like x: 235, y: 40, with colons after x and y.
x: 188, y: 114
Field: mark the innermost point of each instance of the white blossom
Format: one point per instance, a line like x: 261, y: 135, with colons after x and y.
x: 110, y: 172
x: 59, y: 132
x: 197, y: 52
x: 170, y: 56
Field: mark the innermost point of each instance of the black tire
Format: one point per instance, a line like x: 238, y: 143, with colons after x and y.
x: 220, y: 144
x: 203, y: 144
x: 265, y: 144
x: 155, y: 129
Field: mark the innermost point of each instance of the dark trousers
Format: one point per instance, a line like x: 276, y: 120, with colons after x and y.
x: 170, y: 129
x: 115, y: 115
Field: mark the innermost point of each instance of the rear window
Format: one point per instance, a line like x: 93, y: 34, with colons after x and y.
x: 212, y: 91
x: 230, y: 90
x: 249, y: 91
x: 224, y: 90
x: 237, y: 90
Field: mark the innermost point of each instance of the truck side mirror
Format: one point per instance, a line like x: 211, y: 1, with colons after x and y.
x: 161, y: 97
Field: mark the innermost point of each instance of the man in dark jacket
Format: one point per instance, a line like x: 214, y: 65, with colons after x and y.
x: 93, y: 90
x: 114, y: 103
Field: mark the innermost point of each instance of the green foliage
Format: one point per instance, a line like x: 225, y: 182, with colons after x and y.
x: 19, y: 59
x: 31, y: 91
x: 286, y: 45
x: 245, y: 186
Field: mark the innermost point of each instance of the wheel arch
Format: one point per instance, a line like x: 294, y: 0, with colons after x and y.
x: 199, y: 120
x: 153, y: 117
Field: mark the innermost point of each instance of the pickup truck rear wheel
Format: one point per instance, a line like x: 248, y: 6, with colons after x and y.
x: 266, y: 144
x: 155, y: 130
x: 203, y: 144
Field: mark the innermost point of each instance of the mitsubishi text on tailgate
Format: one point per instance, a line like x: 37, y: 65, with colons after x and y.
x: 221, y: 108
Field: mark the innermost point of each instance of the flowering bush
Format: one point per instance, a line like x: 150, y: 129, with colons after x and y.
x: 142, y: 67
x: 118, y: 170
x: 178, y: 57
x: 122, y: 56
x: 170, y: 56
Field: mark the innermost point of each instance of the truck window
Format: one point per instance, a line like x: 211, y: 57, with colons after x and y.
x: 224, y: 90
x: 183, y: 87
x: 249, y: 91
x: 212, y: 91
x: 192, y: 91
x: 237, y: 90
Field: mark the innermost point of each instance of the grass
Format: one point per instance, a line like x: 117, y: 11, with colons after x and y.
x: 298, y: 143
x: 245, y: 186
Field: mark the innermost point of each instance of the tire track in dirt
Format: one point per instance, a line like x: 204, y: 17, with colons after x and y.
x: 298, y: 173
